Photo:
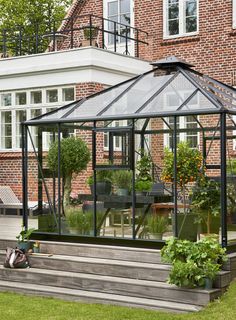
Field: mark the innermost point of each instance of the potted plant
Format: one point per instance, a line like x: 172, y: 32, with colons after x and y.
x: 144, y: 180
x: 206, y: 204
x: 103, y: 182
x: 74, y: 158
x: 36, y: 247
x: 90, y: 36
x: 23, y: 238
x: 156, y: 226
x: 193, y: 262
x: 90, y: 32
x: 122, y: 181
x: 210, y: 272
x: 189, y: 170
x: 78, y: 221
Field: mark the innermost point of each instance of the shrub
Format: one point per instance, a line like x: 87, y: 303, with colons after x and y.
x: 193, y: 262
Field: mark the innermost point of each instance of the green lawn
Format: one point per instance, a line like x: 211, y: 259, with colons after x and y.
x: 20, y: 307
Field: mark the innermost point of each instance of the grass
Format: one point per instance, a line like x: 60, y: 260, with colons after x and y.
x: 20, y: 307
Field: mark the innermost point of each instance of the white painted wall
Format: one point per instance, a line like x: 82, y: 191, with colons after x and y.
x: 66, y: 67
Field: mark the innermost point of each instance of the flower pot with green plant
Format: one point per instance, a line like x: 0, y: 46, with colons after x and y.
x: 122, y: 180
x: 90, y: 32
x: 36, y: 247
x: 78, y: 221
x: 23, y: 238
x: 189, y: 170
x: 206, y: 204
x: 82, y: 223
x: 144, y: 179
x: 193, y: 262
x: 156, y: 226
x: 103, y: 182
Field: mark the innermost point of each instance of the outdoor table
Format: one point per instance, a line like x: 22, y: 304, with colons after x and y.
x: 123, y: 202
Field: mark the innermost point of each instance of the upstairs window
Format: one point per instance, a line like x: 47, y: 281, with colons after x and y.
x: 180, y: 17
x: 118, y: 11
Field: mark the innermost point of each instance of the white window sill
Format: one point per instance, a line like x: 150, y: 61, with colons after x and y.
x: 177, y: 36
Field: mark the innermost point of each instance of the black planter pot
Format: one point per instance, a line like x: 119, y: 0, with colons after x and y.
x: 102, y: 188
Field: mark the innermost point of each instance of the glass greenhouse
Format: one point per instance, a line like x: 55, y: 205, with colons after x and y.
x: 164, y: 142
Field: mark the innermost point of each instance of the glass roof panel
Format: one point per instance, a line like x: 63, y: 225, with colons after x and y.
x: 92, y: 106
x: 134, y: 98
x: 199, y: 102
x: 57, y: 114
x: 172, y: 97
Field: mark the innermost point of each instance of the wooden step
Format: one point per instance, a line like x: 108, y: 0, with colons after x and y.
x: 95, y: 251
x: 112, y: 285
x: 119, y: 268
x: 96, y: 297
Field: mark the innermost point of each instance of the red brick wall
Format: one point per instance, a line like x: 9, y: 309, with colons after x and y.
x: 212, y: 51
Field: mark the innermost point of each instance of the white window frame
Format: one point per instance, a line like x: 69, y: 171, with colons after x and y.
x: 119, y: 46
x: 182, y: 124
x: 182, y: 135
x: 28, y: 108
x: 234, y: 13
x: 122, y: 123
x: 181, y: 21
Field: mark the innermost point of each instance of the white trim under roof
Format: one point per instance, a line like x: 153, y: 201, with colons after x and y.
x: 70, y: 66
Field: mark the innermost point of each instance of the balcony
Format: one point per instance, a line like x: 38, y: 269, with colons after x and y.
x: 71, y: 33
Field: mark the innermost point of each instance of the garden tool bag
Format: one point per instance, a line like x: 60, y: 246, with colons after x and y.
x: 15, y: 258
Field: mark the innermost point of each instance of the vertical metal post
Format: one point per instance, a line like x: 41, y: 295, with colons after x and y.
x: 126, y: 40
x: 59, y: 178
x: 20, y: 41
x: 54, y: 36
x: 132, y: 159
x: 142, y: 142
x: 36, y: 37
x: 114, y: 36
x: 223, y: 194
x: 24, y: 175
x: 54, y: 181
x: 103, y: 40
x: 137, y: 42
x: 94, y: 147
x: 40, y: 165
x: 175, y: 178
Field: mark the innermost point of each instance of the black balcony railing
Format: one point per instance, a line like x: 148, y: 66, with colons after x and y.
x: 70, y: 33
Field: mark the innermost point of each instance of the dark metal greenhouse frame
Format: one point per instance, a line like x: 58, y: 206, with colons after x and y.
x: 221, y: 101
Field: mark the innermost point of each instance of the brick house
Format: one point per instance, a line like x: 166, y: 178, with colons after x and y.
x: 128, y: 35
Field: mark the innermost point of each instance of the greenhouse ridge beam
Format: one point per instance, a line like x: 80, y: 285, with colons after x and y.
x: 157, y: 93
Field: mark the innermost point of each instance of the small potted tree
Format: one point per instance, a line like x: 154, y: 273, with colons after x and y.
x: 206, y: 204
x: 144, y: 179
x: 74, y: 158
x: 189, y: 170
